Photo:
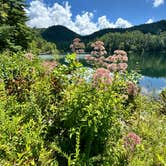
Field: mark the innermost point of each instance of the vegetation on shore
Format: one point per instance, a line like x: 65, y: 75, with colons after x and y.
x: 60, y: 118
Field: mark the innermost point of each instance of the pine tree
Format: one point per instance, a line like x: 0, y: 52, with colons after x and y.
x: 13, y: 17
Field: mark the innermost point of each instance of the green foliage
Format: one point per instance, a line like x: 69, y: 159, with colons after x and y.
x: 134, y: 41
x: 13, y: 17
x: 41, y: 46
x: 149, y: 124
x: 163, y: 101
x: 61, y: 118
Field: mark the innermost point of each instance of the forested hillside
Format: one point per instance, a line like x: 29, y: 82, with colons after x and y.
x: 138, y: 38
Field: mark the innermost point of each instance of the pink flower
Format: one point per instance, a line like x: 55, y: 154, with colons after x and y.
x: 121, y: 52
x: 131, y: 140
x: 77, y: 40
x: 108, y: 66
x: 71, y: 45
x: 122, y: 66
x: 102, y: 58
x: 119, y: 57
x: 105, y: 52
x: 103, y: 76
x: 113, y: 67
x: 109, y: 59
x: 124, y: 58
x: 29, y: 56
x: 114, y: 59
x: 77, y: 46
x: 81, y: 51
x: 92, y: 45
x: 102, y: 47
x: 49, y: 65
x: 93, y: 52
x: 132, y: 89
x: 96, y: 48
x: 88, y: 57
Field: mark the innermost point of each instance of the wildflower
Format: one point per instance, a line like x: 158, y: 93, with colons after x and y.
x: 77, y: 46
x: 93, y: 52
x: 99, y: 48
x: 114, y: 59
x: 29, y: 56
x: 124, y: 58
x: 103, y: 76
x: 76, y: 40
x: 132, y: 89
x: 81, y: 51
x: 131, y: 141
x: 120, y: 52
x: 122, y: 66
x: 113, y: 67
x: 112, y: 63
x: 102, y: 58
x: 71, y: 46
x: 89, y: 57
x: 109, y: 59
x: 96, y: 48
x: 49, y: 65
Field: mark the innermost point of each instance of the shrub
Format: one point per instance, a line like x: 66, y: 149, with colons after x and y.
x: 58, y: 117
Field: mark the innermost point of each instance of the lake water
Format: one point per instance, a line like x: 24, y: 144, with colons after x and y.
x: 152, y: 67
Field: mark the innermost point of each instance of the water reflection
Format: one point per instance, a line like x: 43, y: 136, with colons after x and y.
x: 153, y: 69
x: 151, y: 66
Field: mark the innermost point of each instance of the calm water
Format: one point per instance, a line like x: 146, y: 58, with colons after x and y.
x: 153, y: 69
x: 151, y: 66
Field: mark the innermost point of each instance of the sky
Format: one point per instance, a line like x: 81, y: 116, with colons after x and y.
x: 87, y: 16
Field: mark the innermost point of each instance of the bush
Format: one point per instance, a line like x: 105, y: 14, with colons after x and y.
x: 62, y: 118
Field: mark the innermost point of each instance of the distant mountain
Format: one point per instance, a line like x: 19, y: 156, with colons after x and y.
x: 59, y: 34
x: 62, y: 36
x: 153, y: 28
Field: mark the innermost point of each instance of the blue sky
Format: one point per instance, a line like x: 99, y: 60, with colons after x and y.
x: 87, y: 16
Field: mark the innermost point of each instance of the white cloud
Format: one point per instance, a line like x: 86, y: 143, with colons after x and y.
x: 85, y: 24
x: 38, y: 15
x: 149, y: 21
x: 121, y: 23
x: 157, y: 3
x: 103, y: 23
x: 42, y: 16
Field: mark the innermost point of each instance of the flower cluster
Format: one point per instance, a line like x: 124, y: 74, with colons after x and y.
x: 49, y: 65
x: 116, y: 62
x: 77, y: 46
x: 131, y: 141
x: 132, y: 88
x: 29, y: 56
x: 99, y: 49
x: 102, y: 75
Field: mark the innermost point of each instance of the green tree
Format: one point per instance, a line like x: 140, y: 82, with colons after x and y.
x: 13, y: 17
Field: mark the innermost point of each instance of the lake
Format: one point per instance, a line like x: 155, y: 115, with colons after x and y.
x: 152, y: 67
